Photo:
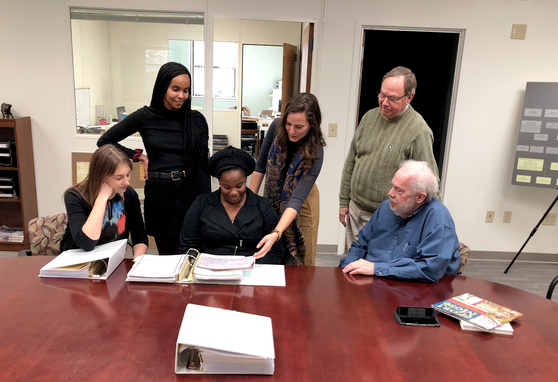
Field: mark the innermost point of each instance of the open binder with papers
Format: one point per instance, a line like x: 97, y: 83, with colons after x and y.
x: 208, y: 343
x: 195, y: 267
x: 96, y: 264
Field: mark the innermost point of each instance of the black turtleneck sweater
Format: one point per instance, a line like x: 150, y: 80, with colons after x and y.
x: 163, y: 138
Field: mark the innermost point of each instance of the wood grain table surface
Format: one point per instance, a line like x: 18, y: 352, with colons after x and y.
x: 326, y: 327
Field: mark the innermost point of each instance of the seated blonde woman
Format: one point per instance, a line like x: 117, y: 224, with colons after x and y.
x: 103, y: 207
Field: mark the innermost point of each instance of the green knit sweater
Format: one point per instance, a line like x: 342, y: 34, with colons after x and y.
x: 377, y: 149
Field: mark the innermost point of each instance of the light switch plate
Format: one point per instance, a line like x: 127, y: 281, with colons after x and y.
x: 332, y: 130
x: 519, y: 31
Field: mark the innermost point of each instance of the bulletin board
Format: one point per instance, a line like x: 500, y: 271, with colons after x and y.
x: 80, y: 168
x: 536, y: 155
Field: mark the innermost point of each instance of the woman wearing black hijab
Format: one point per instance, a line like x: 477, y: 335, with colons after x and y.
x: 175, y: 163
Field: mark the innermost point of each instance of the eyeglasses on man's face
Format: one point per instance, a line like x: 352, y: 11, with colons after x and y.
x: 390, y: 99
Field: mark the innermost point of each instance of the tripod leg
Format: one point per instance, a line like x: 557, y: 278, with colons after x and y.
x: 532, y: 233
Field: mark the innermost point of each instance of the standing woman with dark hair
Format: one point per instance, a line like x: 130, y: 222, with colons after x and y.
x: 291, y: 159
x: 176, y: 140
x: 103, y: 208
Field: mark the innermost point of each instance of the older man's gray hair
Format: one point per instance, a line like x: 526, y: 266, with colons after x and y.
x: 423, y: 180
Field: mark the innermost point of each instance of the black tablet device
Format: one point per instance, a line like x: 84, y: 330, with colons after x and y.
x: 416, y: 316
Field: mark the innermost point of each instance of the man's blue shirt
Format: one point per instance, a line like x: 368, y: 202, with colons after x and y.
x: 422, y: 247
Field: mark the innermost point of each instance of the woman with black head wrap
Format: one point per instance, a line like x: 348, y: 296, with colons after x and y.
x: 175, y: 164
x: 231, y: 220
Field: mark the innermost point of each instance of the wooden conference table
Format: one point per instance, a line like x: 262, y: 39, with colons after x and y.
x: 326, y: 327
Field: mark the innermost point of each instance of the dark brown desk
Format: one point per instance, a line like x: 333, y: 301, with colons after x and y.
x: 326, y: 328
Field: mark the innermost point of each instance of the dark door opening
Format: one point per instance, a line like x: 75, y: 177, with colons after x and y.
x: 432, y: 56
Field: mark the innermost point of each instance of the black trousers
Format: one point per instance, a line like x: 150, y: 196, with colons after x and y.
x: 166, y: 204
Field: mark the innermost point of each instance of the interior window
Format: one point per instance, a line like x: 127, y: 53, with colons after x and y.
x: 225, y: 58
x: 117, y: 55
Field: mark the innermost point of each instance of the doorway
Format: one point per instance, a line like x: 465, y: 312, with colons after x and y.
x: 434, y: 58
x: 227, y: 122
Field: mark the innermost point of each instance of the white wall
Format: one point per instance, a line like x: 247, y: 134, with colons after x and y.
x: 37, y: 80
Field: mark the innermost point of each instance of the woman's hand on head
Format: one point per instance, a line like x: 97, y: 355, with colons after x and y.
x: 265, y: 245
x: 106, y: 192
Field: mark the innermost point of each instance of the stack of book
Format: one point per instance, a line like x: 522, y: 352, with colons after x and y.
x: 11, y: 235
x: 478, y: 314
x: 7, y: 153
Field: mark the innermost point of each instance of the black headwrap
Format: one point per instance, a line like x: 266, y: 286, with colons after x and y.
x: 231, y: 158
x: 196, y: 154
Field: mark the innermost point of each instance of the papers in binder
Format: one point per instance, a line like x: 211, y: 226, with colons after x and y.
x: 96, y: 264
x: 160, y: 269
x: 225, y: 263
x: 185, y: 269
x: 208, y: 343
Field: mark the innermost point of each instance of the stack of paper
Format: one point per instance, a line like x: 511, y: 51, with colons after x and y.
x: 209, y: 342
x: 504, y: 329
x: 14, y: 235
x: 221, y: 268
x: 207, y: 274
x: 224, y: 263
x: 77, y: 263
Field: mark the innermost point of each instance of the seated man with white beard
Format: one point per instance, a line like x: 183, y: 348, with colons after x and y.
x: 411, y: 236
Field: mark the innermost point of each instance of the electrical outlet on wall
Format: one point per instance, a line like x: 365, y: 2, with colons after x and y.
x: 550, y: 219
x: 507, y: 217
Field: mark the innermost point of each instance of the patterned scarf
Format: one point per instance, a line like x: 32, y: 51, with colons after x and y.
x: 114, y: 221
x: 279, y: 191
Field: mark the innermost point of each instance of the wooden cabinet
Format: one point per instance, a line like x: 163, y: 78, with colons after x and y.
x: 17, y: 211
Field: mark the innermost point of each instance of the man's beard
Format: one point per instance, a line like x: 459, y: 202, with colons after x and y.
x: 402, y: 209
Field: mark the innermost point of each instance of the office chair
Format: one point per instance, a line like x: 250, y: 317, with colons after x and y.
x: 551, y: 288
x: 249, y: 136
x: 45, y: 234
x: 464, y: 252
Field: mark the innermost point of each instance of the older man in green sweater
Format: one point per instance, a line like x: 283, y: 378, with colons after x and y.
x: 386, y: 136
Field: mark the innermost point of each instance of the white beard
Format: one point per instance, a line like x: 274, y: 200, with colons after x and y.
x: 402, y: 209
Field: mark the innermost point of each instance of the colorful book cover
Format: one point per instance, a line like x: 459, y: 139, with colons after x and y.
x: 477, y: 311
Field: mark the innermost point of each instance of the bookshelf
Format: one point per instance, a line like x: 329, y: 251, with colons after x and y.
x: 16, y: 211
